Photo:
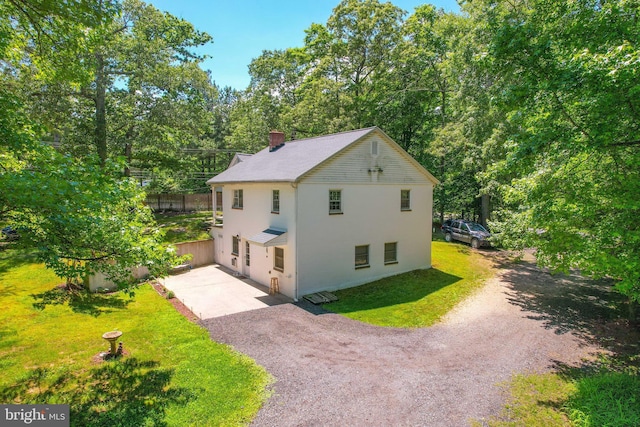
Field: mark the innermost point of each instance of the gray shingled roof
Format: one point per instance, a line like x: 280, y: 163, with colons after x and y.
x: 242, y: 157
x: 291, y: 161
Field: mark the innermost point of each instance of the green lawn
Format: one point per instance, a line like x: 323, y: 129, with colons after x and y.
x: 172, y: 373
x: 418, y: 298
x: 607, y: 397
x: 185, y: 228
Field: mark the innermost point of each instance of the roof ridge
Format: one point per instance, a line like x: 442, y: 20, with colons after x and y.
x: 331, y: 134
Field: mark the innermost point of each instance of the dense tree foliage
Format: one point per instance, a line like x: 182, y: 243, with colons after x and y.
x: 76, y: 209
x: 570, y: 90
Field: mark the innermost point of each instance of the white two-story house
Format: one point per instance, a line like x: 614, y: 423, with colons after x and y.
x: 324, y: 213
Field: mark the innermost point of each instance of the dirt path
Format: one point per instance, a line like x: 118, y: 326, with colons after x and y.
x: 330, y: 370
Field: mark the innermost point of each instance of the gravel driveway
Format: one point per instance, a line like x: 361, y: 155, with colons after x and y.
x: 332, y: 371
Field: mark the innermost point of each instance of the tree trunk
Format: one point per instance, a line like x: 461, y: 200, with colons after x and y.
x: 128, y: 149
x: 101, y: 112
x: 485, y: 209
x: 633, y: 311
x: 127, y: 155
x: 443, y: 99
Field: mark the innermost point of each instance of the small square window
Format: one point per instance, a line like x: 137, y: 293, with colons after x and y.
x: 362, y: 256
x: 275, y: 201
x: 238, y: 201
x: 391, y: 253
x: 278, y: 260
x: 335, y: 201
x: 405, y: 200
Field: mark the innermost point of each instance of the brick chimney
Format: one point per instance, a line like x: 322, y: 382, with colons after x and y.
x: 276, y: 140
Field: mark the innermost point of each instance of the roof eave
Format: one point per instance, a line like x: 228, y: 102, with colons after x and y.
x: 210, y: 182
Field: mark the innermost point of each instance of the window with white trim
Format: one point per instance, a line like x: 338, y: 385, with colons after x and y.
x: 235, y: 246
x: 275, y: 201
x: 391, y: 253
x: 237, y: 199
x: 362, y: 256
x: 335, y: 201
x: 278, y: 259
x: 247, y: 254
x: 405, y: 200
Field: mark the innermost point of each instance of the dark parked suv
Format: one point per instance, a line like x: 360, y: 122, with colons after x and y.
x: 465, y: 231
x: 10, y: 233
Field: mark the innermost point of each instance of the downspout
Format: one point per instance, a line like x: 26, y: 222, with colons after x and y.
x: 295, y: 219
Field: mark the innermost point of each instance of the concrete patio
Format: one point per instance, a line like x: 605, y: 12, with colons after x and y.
x: 214, y: 291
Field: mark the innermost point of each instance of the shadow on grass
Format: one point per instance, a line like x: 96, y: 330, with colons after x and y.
x: 81, y: 301
x: 587, y: 308
x: 404, y: 288
x: 13, y: 256
x: 123, y: 392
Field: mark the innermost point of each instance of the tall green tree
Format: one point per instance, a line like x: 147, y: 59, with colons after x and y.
x: 79, y: 213
x: 141, y: 93
x: 436, y: 43
x: 571, y: 86
x: 336, y: 82
x: 354, y: 52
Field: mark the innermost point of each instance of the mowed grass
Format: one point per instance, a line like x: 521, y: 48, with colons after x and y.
x: 417, y: 298
x: 185, y: 228
x: 172, y: 373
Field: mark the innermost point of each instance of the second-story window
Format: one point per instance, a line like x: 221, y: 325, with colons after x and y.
x: 405, y: 200
x: 335, y: 201
x: 237, y: 199
x: 275, y: 201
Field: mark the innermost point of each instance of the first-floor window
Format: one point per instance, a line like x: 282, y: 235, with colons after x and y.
x: 278, y: 260
x: 391, y: 253
x: 247, y: 254
x: 235, y: 246
x: 362, y: 256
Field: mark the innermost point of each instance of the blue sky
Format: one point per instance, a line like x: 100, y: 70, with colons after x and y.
x: 242, y: 29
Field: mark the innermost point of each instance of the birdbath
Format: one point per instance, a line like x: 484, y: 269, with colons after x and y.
x: 112, y: 337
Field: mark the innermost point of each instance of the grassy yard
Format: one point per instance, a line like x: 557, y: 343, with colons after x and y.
x: 575, y: 398
x: 185, y: 228
x: 172, y: 373
x: 418, y: 298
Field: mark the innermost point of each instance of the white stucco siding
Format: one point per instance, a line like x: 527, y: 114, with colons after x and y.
x: 357, y: 164
x: 371, y: 216
x: 255, y: 216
